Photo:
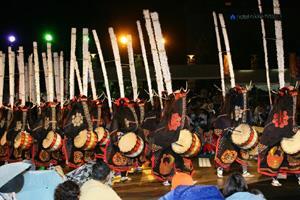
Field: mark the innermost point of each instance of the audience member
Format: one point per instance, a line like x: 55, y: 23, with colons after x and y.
x: 194, y: 192
x: 96, y: 188
x: 67, y: 190
x: 235, y: 183
x: 236, y: 188
x: 181, y: 178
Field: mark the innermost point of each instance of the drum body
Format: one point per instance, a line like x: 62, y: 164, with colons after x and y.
x: 291, y: 145
x: 187, y: 145
x: 23, y: 141
x: 86, y: 140
x: 244, y: 136
x: 195, y: 147
x: 131, y: 145
x: 53, y: 141
x: 103, y: 135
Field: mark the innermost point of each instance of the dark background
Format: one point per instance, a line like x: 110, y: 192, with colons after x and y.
x: 187, y: 26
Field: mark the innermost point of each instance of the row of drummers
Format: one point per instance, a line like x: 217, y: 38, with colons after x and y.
x: 278, y: 143
x: 84, y: 129
x: 42, y: 133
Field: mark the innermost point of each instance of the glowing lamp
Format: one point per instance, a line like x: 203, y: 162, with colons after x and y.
x: 48, y: 37
x: 11, y: 38
x: 124, y: 40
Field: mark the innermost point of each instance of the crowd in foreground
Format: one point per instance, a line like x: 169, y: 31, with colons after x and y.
x: 97, y: 185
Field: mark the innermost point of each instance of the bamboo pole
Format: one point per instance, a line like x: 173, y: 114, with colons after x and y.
x: 11, y: 64
x: 45, y: 67
x: 78, y: 78
x: 115, y: 48
x: 227, y: 46
x: 26, y: 82
x: 32, y: 96
x: 61, y: 78
x: 103, y: 69
x: 21, y: 76
x: 72, y: 63
x: 91, y: 75
x: 67, y: 78
x: 146, y: 65
x: 132, y: 68
x: 50, y: 72
x: 56, y: 75
x: 36, y: 74
x: 155, y: 57
x: 3, y: 64
x: 2, y: 73
x: 262, y: 23
x: 162, y: 52
x: 220, y: 54
x: 85, y: 70
x: 279, y: 43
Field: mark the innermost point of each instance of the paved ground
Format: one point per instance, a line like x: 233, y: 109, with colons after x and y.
x: 290, y: 189
x: 145, y: 186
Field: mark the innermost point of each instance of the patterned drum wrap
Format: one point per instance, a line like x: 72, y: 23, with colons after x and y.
x: 244, y: 136
x: 86, y: 140
x: 53, y: 141
x: 103, y: 135
x: 131, y: 145
x: 23, y: 140
x: 195, y: 147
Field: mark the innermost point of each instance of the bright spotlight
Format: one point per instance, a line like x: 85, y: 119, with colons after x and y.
x: 124, y: 39
x: 11, y: 38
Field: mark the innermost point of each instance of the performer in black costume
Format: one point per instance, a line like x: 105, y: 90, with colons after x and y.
x: 280, y: 142
x: 233, y: 114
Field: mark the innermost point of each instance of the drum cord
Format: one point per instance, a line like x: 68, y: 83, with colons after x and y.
x: 99, y: 112
x: 127, y: 122
x: 53, y: 117
x: 294, y: 109
x: 87, y: 115
x: 183, y: 112
x: 24, y: 115
x: 244, y: 119
x: 142, y: 113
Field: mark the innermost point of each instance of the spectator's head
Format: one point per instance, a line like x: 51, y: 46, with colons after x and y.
x: 234, y: 183
x: 181, y: 179
x: 67, y: 190
x: 100, y: 171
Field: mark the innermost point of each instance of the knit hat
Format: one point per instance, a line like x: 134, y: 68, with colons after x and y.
x: 181, y: 178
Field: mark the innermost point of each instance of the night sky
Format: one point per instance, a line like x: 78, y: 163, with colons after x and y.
x: 187, y: 26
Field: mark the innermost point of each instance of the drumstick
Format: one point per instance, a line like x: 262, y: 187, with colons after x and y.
x: 178, y: 144
x: 232, y: 129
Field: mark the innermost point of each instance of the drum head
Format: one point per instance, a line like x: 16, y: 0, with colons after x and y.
x: 17, y: 141
x: 100, y: 131
x: 291, y: 145
x: 184, y: 142
x: 127, y: 142
x: 241, y: 134
x: 80, y: 139
x: 48, y: 140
